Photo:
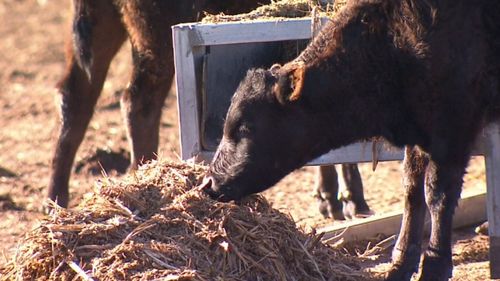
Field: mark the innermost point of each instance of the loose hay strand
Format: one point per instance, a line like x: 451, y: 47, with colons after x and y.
x: 79, y: 271
x: 312, y: 259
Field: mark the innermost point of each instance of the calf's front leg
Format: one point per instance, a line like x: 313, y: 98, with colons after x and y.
x: 443, y: 187
x: 406, y: 252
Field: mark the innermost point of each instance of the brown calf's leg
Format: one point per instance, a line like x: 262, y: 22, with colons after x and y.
x: 353, y: 198
x: 406, y: 252
x: 327, y: 188
x: 141, y: 107
x: 79, y: 92
x: 152, y: 75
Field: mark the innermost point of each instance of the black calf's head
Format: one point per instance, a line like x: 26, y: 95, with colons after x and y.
x: 280, y: 119
x: 264, y: 129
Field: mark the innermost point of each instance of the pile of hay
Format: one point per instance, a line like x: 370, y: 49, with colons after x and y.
x: 279, y: 9
x: 156, y: 224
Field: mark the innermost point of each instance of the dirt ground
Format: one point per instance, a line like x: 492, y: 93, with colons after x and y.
x: 31, y: 62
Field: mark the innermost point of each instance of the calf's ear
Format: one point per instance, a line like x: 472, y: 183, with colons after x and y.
x: 290, y: 82
x: 275, y: 69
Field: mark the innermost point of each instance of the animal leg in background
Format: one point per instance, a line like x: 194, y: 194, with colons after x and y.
x: 353, y: 198
x: 351, y: 202
x: 82, y: 85
x: 327, y: 188
x: 152, y: 74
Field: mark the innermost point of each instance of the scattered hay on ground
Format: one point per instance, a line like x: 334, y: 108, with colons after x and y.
x: 156, y: 224
x: 104, y: 160
x: 281, y: 9
x: 475, y: 249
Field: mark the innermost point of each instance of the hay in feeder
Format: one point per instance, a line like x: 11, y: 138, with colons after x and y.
x: 156, y: 225
x: 281, y: 9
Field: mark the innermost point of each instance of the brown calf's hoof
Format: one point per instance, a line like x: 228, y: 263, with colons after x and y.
x: 326, y: 209
x: 353, y: 210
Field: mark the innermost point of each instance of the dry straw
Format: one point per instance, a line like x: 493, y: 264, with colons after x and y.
x: 155, y: 225
x: 282, y: 9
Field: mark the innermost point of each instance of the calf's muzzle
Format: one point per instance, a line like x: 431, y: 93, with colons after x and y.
x: 210, y: 187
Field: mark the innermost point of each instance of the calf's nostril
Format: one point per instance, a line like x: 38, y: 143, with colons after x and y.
x: 206, y: 183
x: 209, y: 187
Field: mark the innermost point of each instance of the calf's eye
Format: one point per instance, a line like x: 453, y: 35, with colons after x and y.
x: 365, y: 19
x: 243, y: 131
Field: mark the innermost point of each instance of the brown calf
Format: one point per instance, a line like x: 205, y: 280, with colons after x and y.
x: 99, y: 30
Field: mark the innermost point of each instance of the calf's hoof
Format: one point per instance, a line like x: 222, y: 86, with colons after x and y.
x: 352, y: 210
x: 436, y: 268
x: 400, y: 273
x: 404, y: 263
x: 329, y: 211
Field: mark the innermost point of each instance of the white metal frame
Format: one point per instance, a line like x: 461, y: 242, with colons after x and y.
x: 191, y: 38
